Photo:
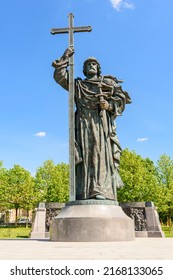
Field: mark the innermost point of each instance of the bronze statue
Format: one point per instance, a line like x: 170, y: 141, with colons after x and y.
x: 99, y: 100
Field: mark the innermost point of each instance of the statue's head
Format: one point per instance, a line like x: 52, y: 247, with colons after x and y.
x: 91, y: 63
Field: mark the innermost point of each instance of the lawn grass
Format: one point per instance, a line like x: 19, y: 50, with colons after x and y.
x: 168, y: 231
x: 12, y: 232
x: 168, y: 234
x: 23, y: 232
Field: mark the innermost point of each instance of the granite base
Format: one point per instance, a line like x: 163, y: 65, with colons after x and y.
x: 92, y: 221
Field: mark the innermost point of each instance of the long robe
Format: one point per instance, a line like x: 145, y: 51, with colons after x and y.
x: 97, y: 146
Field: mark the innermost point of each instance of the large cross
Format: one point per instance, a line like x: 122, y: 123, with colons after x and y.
x: 71, y: 30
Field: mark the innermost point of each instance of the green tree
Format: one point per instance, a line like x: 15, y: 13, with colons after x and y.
x: 165, y: 180
x: 52, y: 181
x: 4, y: 203
x: 20, y: 189
x: 139, y: 178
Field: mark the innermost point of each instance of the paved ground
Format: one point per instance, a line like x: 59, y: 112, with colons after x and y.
x: 140, y: 249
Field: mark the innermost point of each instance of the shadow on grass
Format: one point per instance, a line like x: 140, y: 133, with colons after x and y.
x: 22, y: 236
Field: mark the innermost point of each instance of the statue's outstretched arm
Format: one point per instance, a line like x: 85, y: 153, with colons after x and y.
x: 60, y: 65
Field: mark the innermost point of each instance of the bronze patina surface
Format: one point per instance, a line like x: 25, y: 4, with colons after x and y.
x: 99, y: 99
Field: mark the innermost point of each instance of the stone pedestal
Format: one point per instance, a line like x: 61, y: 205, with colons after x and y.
x: 38, y: 228
x: 153, y: 223
x: 92, y: 221
x: 145, y: 218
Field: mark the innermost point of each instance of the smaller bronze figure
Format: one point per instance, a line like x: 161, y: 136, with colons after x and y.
x: 99, y: 100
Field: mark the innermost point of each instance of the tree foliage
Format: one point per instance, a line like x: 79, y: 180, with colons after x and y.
x: 20, y: 189
x: 139, y: 178
x: 3, y: 185
x: 165, y: 180
x: 52, y: 181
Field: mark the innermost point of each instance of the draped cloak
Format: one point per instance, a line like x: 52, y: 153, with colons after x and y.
x: 96, y: 144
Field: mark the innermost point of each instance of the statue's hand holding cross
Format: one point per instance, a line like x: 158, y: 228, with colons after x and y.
x: 66, y: 56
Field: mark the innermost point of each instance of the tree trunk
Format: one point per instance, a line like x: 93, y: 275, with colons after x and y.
x: 16, y: 216
x: 27, y: 215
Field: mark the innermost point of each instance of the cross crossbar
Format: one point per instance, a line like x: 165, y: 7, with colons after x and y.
x: 73, y: 29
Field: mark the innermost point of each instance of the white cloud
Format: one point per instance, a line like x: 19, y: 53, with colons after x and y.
x: 142, y: 139
x: 41, y: 134
x: 120, y: 4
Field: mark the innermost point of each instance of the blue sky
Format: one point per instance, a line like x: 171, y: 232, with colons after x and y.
x: 132, y: 40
